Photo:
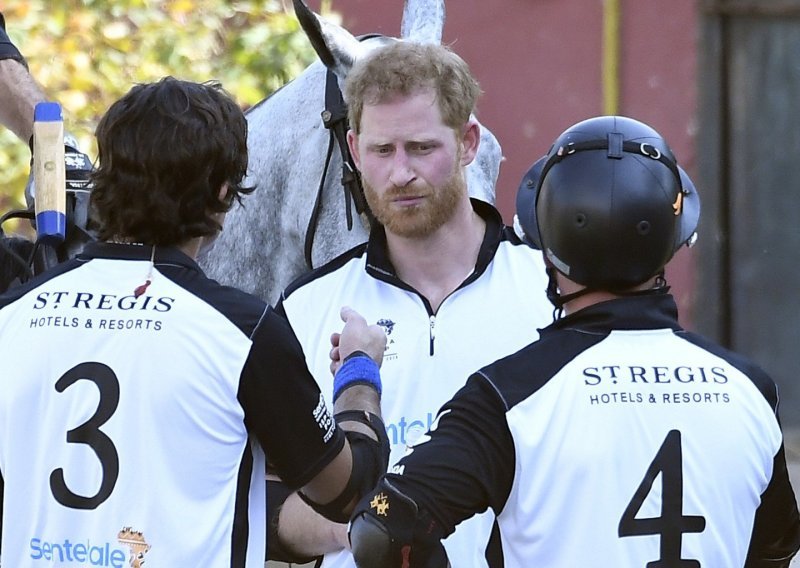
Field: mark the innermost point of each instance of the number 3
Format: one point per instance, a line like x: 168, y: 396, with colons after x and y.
x: 672, y: 523
x: 89, y: 433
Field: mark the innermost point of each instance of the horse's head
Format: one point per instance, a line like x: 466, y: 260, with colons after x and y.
x: 423, y: 22
x: 262, y: 248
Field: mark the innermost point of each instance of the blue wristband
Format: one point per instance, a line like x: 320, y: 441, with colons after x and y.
x: 360, y: 369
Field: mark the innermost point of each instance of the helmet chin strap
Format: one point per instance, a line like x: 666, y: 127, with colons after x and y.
x: 555, y: 296
x: 559, y: 301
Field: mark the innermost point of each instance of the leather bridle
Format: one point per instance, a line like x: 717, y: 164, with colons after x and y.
x: 334, y: 117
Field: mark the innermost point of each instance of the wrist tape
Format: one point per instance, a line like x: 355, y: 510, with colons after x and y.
x: 358, y: 369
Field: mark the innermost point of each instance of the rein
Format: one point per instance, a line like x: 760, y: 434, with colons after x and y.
x: 334, y: 117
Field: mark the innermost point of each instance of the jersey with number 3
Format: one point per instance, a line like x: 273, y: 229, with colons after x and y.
x: 133, y: 428
x: 617, y: 439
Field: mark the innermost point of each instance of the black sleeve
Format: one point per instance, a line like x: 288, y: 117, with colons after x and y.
x: 283, y: 405
x: 776, y: 531
x: 14, y: 268
x: 466, y: 463
x: 7, y: 49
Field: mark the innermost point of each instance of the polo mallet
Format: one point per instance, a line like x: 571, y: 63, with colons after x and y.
x: 49, y: 174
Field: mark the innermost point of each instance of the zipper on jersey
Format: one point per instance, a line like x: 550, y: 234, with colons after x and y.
x: 432, y: 320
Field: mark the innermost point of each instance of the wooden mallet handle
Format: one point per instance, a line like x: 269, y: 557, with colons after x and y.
x: 49, y: 173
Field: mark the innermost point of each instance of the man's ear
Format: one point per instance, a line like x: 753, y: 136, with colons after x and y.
x: 223, y: 192
x: 352, y: 143
x: 470, y: 140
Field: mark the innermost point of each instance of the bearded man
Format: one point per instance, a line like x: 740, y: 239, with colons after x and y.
x: 452, y: 286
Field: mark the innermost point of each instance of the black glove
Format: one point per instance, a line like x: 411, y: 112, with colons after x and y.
x: 79, y: 186
x: 78, y: 166
x: 388, y: 529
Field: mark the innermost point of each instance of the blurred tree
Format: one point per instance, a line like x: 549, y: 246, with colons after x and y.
x: 88, y: 53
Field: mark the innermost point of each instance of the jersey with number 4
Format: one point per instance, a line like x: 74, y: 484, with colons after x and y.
x: 617, y: 439
x: 133, y: 427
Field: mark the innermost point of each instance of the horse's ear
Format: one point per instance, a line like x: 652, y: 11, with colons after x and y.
x: 336, y: 47
x: 423, y: 21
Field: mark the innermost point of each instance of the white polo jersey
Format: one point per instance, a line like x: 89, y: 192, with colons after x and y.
x: 619, y: 440
x: 496, y: 311
x: 133, y: 429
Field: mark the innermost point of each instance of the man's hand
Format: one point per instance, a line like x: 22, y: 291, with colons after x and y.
x: 356, y: 336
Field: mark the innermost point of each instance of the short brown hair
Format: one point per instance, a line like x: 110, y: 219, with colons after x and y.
x: 165, y: 150
x: 403, y: 68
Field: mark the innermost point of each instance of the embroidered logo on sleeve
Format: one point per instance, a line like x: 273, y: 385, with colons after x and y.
x: 380, y: 504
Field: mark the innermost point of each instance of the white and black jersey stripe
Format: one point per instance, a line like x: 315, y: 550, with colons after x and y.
x: 618, y: 439
x: 138, y: 425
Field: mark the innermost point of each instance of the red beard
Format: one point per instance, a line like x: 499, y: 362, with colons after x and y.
x: 416, y: 221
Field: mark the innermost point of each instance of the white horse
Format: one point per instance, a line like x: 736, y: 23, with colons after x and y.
x: 262, y: 248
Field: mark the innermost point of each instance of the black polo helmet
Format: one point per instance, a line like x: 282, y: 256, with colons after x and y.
x: 608, y: 204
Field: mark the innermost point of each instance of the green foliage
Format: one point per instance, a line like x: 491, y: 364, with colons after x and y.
x: 87, y: 53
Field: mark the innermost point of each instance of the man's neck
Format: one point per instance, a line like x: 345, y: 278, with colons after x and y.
x: 595, y: 296
x: 587, y: 300
x: 437, y: 264
x: 191, y: 248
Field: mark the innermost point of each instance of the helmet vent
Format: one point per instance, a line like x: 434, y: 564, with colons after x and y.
x: 643, y: 227
x: 580, y: 220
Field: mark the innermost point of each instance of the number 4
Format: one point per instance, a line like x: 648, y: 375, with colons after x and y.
x: 672, y: 523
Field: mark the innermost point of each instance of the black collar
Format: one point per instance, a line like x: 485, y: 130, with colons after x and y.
x: 119, y: 251
x: 379, y: 265
x: 657, y: 311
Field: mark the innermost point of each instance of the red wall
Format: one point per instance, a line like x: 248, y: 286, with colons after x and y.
x: 540, y: 65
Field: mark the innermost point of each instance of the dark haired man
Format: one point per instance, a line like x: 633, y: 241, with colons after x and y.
x: 138, y: 398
